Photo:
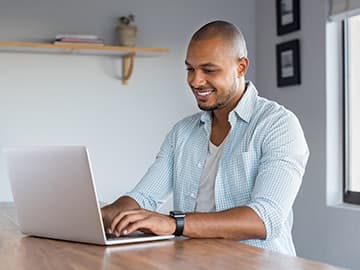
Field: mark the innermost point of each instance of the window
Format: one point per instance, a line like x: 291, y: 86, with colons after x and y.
x: 351, y: 46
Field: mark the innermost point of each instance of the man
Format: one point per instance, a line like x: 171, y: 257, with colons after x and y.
x: 234, y: 169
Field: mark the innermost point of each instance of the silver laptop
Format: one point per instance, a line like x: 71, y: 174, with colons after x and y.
x: 55, y: 196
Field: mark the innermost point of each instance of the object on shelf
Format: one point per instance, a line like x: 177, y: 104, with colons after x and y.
x: 78, y: 39
x: 126, y: 32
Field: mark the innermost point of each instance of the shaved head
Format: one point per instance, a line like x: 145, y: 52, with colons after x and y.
x: 229, y: 33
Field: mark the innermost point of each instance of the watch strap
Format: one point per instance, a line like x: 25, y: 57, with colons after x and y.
x: 180, y: 222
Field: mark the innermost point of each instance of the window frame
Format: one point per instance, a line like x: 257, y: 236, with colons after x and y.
x: 349, y: 196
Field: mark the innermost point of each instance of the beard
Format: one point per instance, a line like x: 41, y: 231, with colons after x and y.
x: 222, y: 101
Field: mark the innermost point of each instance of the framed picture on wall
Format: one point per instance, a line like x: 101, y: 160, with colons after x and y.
x: 288, y: 63
x: 287, y: 16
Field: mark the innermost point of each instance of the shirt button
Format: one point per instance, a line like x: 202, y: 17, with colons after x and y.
x: 192, y: 195
x: 199, y: 165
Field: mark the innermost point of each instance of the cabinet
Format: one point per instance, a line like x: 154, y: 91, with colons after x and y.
x: 127, y: 54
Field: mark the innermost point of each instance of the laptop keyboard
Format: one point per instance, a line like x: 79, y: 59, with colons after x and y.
x: 111, y: 236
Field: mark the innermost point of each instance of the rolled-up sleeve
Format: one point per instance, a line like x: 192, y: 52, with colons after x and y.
x: 281, y: 168
x: 157, y: 183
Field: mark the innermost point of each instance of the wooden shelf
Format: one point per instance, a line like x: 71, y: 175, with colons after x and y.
x: 127, y: 53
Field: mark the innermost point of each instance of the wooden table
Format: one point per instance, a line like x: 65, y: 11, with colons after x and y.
x: 22, y: 252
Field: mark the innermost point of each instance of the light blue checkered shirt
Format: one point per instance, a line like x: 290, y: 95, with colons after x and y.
x: 261, y: 167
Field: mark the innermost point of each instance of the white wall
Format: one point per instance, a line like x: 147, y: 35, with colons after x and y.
x: 321, y: 232
x: 78, y: 99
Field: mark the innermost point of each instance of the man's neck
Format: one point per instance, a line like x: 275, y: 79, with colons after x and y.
x: 220, y: 126
x: 221, y: 116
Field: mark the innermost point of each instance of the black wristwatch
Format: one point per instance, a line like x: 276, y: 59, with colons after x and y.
x: 180, y: 221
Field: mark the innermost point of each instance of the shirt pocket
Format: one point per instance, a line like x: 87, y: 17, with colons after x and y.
x: 241, y: 171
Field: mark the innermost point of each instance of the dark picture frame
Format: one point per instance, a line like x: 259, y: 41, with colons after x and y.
x: 288, y: 63
x: 287, y: 16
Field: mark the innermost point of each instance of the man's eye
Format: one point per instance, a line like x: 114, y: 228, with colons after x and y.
x: 209, y: 71
x: 189, y: 69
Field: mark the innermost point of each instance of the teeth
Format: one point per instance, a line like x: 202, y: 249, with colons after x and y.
x: 204, y: 93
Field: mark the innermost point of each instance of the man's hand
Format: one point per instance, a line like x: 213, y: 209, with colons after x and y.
x: 107, y: 213
x: 140, y: 219
x: 110, y: 211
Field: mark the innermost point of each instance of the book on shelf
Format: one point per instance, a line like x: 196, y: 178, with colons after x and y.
x: 83, y: 40
x: 77, y: 36
x: 79, y: 41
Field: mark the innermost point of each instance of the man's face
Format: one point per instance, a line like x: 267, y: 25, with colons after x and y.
x: 213, y: 74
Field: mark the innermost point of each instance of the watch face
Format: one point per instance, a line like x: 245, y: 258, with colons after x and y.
x: 177, y: 214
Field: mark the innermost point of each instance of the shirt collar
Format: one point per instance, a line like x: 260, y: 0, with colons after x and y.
x: 246, y: 106
x: 244, y: 109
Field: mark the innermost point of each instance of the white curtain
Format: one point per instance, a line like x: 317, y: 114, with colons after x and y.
x: 340, y: 9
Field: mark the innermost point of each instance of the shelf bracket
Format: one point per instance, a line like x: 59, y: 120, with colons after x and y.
x: 127, y: 67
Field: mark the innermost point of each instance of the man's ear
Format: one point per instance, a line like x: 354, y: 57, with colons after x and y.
x: 243, y: 65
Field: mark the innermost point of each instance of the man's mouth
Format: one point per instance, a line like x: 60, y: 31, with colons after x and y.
x: 203, y: 93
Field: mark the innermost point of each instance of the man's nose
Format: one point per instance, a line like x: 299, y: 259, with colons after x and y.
x: 197, y: 79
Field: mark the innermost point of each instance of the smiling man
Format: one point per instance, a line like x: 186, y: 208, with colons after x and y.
x: 234, y: 168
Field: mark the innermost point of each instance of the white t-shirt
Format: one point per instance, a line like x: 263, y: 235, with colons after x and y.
x: 206, y: 196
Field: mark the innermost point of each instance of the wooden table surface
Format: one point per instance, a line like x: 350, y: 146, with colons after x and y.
x: 23, y: 252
